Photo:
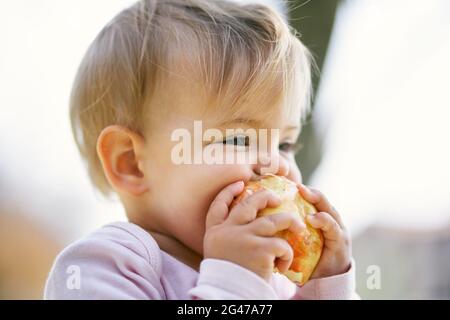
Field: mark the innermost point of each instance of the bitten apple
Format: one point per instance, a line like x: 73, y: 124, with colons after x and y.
x: 307, y: 245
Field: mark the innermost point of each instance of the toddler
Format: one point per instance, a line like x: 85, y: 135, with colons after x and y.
x: 168, y: 93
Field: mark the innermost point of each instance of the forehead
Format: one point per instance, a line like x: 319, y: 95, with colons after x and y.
x: 186, y: 97
x: 257, y: 116
x: 193, y: 105
x: 189, y: 110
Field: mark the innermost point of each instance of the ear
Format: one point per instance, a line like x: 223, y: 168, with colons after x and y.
x: 119, y: 150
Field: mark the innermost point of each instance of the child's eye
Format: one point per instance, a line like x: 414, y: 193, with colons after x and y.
x: 290, y: 147
x: 243, y: 141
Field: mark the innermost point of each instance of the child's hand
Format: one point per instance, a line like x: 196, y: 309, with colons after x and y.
x: 238, y: 236
x: 336, y: 252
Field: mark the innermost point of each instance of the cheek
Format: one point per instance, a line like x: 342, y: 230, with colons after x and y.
x: 197, y: 187
x: 211, y: 179
x: 294, y: 171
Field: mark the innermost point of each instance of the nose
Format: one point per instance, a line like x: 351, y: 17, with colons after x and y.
x: 271, y: 163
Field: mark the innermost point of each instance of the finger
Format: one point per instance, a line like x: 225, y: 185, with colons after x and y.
x: 320, y: 202
x: 282, y: 252
x: 218, y: 210
x: 325, y: 222
x: 246, y: 210
x: 269, y: 225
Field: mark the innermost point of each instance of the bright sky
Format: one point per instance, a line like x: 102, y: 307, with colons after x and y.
x: 384, y: 99
x: 384, y: 105
x: 42, y: 45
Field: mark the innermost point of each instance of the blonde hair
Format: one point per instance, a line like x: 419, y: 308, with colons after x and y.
x: 237, y: 53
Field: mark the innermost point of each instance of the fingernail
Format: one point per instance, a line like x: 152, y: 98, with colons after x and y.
x: 239, y: 183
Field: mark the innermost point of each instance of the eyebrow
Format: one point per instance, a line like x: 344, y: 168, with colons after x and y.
x: 291, y: 128
x: 254, y: 123
x: 250, y: 122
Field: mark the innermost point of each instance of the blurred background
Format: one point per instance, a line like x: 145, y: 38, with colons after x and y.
x: 377, y: 142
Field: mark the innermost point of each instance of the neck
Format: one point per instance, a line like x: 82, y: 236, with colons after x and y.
x: 177, y: 250
x: 167, y: 243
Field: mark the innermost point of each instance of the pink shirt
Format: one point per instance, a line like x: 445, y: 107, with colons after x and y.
x: 123, y: 261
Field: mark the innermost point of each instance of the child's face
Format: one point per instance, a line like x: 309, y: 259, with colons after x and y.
x: 180, y: 194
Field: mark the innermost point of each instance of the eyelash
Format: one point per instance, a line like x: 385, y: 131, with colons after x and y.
x: 234, y: 140
x: 290, y: 147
